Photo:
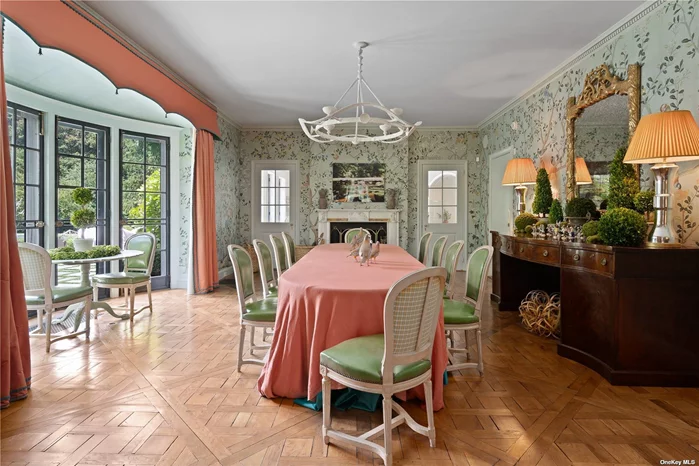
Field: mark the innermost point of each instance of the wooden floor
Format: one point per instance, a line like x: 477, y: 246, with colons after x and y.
x: 165, y: 391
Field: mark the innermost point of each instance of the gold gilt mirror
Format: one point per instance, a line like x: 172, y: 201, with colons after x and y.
x: 600, y: 120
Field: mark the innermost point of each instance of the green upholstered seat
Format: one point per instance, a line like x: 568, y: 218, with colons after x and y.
x: 437, y: 251
x: 360, y: 359
x: 140, y: 242
x: 60, y: 294
x: 451, y: 259
x: 424, y: 244
x: 349, y: 236
x: 280, y: 253
x: 120, y: 278
x: 459, y: 312
x: 273, y: 292
x: 264, y: 310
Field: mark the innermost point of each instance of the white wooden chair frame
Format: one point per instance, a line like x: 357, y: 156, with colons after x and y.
x: 452, y: 272
x: 290, y: 247
x: 425, y: 258
x: 130, y: 289
x: 49, y: 306
x: 344, y: 238
x: 439, y: 254
x: 278, y: 255
x: 478, y: 306
x: 242, y: 300
x: 388, y: 388
x: 266, y: 281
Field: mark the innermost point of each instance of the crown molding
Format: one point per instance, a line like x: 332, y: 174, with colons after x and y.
x: 229, y: 120
x: 629, y: 20
x: 152, y: 60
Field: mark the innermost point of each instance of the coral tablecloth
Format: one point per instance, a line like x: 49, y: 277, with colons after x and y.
x: 325, y: 299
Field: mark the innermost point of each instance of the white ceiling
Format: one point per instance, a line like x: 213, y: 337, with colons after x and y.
x: 445, y: 63
x: 62, y: 77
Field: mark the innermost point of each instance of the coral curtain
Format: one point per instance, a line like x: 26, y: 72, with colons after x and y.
x: 204, y: 254
x: 15, y: 363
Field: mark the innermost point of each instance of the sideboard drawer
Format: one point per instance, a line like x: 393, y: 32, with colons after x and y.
x: 545, y: 254
x: 508, y: 246
x: 600, y: 262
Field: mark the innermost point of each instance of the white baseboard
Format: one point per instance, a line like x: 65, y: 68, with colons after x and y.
x: 225, y: 272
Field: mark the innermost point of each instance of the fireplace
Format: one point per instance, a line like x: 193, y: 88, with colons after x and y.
x: 376, y: 229
x: 332, y: 222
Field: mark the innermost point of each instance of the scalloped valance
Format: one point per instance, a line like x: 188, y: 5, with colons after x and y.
x: 67, y: 26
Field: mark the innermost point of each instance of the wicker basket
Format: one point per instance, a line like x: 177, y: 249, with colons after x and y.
x: 302, y: 251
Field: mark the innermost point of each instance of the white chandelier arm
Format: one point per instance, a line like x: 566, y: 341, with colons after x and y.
x: 343, y: 95
x: 372, y: 92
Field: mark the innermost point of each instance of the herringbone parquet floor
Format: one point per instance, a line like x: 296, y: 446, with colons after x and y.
x: 165, y: 391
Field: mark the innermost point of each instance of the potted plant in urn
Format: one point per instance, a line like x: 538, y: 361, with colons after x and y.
x: 82, y: 218
x: 579, y: 210
x: 543, y: 196
x: 643, y: 202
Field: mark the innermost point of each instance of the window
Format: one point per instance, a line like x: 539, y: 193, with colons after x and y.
x: 27, y: 161
x: 275, y: 194
x: 144, y: 195
x: 442, y: 196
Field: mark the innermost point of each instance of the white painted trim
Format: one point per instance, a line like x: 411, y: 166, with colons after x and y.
x: 495, y: 155
x: 630, y: 19
x: 421, y: 196
x: 255, y: 196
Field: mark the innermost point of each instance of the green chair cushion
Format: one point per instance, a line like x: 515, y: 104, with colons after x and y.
x: 120, y: 278
x: 61, y: 293
x: 458, y: 312
x: 360, y: 359
x: 273, y: 292
x: 264, y: 310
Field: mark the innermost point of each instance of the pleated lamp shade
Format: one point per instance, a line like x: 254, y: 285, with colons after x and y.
x: 518, y: 172
x: 582, y: 174
x: 664, y: 137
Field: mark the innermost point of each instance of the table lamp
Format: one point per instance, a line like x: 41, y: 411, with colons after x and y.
x: 663, y: 139
x: 582, y: 174
x: 518, y: 173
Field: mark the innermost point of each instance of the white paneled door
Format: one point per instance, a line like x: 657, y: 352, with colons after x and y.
x: 274, y: 198
x: 442, y: 200
x: 500, y: 199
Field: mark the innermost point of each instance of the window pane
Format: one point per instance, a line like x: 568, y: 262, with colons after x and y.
x: 69, y: 139
x: 19, y: 165
x: 19, y: 202
x: 155, y: 152
x: 31, y: 123
x: 155, y: 206
x: 448, y: 215
x: 156, y: 229
x: 283, y: 178
x: 20, y: 141
x: 33, y: 171
x: 153, y: 179
x: 65, y: 204
x: 283, y: 214
x: 267, y: 214
x: 90, y: 144
x: 132, y: 177
x: 267, y: 177
x: 434, y: 178
x: 450, y: 196
x: 133, y: 206
x: 11, y: 124
x: 434, y: 215
x: 90, y: 176
x: 69, y: 171
x: 32, y: 203
x: 282, y: 196
x: 449, y: 178
x: 133, y: 149
x: 434, y: 196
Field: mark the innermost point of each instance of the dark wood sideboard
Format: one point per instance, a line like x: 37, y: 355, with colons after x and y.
x: 630, y: 314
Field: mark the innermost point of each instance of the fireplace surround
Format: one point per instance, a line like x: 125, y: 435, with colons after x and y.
x: 372, y: 218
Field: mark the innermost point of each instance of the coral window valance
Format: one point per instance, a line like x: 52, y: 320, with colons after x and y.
x: 67, y: 26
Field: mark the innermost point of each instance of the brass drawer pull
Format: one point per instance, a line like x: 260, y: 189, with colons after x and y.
x: 546, y: 253
x: 576, y: 257
x: 604, y: 261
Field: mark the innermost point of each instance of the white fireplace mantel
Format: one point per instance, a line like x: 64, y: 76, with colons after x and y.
x: 390, y: 216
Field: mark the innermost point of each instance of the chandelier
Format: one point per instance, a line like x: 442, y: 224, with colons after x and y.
x: 392, y: 127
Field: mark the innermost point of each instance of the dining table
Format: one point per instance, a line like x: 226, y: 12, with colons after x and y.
x: 328, y: 297
x: 76, y: 310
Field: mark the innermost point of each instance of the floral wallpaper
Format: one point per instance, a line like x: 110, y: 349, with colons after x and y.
x: 315, y: 166
x: 666, y: 43
x: 226, y: 176
x: 185, y: 211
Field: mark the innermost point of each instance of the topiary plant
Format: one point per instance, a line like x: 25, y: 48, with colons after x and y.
x: 643, y: 202
x: 623, y: 185
x: 529, y: 229
x: 84, y: 216
x: 523, y: 220
x: 622, y: 227
x: 556, y: 212
x: 543, y: 197
x: 580, y: 207
x: 595, y: 239
x: 590, y: 229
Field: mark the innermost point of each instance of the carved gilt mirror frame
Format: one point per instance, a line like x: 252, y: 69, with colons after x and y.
x: 599, y: 84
